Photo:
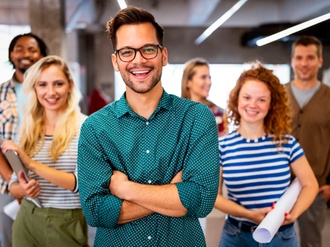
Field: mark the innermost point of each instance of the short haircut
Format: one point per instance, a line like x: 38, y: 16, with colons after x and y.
x: 132, y: 15
x: 306, y: 41
x: 42, y: 45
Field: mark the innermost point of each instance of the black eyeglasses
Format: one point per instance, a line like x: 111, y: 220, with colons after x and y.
x: 127, y: 54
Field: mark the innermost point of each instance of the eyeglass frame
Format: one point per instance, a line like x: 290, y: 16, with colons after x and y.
x: 138, y: 49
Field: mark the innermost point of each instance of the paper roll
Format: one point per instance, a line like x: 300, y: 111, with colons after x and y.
x: 266, y: 230
x: 11, y: 209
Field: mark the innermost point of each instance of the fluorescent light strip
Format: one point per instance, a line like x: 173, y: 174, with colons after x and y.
x: 292, y: 30
x: 122, y: 4
x: 219, y: 22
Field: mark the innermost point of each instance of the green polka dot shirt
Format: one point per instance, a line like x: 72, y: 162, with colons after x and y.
x: 179, y: 135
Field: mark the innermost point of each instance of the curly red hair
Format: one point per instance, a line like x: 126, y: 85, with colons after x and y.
x: 278, y: 119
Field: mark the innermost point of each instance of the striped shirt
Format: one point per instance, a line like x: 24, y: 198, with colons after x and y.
x: 256, y: 172
x: 53, y: 196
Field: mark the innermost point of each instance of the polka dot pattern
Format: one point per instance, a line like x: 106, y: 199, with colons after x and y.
x: 180, y: 135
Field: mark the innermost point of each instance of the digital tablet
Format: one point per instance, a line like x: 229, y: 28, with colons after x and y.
x: 17, y: 165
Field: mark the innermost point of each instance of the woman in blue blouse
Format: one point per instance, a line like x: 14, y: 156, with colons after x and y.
x: 256, y: 159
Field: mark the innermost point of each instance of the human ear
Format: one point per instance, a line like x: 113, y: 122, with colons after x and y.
x: 114, y: 62
x: 164, y: 56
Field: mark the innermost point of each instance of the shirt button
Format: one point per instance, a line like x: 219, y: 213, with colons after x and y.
x: 148, y: 151
x: 149, y: 237
x: 147, y: 123
x: 149, y: 181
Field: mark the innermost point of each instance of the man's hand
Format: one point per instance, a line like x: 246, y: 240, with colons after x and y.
x: 117, y: 184
x: 325, y: 190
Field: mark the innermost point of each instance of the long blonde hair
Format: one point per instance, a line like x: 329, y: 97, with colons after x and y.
x: 32, y: 128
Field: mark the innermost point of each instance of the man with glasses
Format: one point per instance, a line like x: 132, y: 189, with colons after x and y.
x: 148, y: 163
x: 149, y: 51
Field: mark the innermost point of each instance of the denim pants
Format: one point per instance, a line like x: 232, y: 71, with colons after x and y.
x: 232, y: 236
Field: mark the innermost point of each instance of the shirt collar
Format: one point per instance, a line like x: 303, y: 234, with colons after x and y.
x: 12, y: 81
x: 166, y: 102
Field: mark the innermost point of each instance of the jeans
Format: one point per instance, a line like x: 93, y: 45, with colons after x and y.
x: 232, y: 236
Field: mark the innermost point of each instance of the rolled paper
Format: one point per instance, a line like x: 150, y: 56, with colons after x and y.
x: 266, y: 230
x: 11, y: 209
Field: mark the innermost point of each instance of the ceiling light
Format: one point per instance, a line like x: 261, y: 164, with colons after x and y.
x: 219, y: 22
x: 122, y: 4
x: 292, y: 30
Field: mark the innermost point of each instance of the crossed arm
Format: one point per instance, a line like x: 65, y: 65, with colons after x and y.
x: 140, y: 200
x: 124, y: 195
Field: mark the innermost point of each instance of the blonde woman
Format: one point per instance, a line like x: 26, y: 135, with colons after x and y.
x: 196, y: 85
x: 48, y: 141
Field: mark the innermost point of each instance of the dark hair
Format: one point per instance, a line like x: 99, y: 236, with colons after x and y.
x: 42, y: 45
x: 132, y: 15
x: 278, y: 119
x: 306, y: 41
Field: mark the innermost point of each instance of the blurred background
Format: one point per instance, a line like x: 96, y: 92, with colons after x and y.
x: 75, y: 30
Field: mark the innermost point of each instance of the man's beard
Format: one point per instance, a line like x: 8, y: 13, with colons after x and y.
x: 154, y: 81
x: 22, y: 70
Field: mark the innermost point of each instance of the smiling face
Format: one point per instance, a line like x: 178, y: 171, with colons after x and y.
x: 25, y: 53
x: 253, y: 102
x: 305, y: 62
x: 140, y: 75
x: 200, y: 84
x: 52, y: 89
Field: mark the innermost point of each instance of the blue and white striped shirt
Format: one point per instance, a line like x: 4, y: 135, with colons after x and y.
x: 256, y: 172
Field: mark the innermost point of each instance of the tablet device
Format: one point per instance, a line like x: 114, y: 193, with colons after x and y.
x: 17, y: 165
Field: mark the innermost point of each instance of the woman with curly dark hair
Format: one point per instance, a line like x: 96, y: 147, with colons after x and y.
x: 256, y: 159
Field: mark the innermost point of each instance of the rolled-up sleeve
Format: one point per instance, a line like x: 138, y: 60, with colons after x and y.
x: 94, y: 170
x: 199, y: 188
x: 13, y: 179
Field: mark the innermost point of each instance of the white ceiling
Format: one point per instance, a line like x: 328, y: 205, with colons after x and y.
x: 93, y: 14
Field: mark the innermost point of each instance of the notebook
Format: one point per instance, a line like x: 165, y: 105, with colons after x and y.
x: 16, y: 164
